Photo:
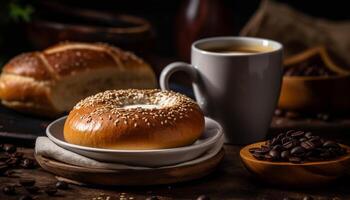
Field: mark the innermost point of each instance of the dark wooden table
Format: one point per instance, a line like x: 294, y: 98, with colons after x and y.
x: 229, y: 181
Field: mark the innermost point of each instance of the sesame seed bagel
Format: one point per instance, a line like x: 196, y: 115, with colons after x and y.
x: 134, y: 119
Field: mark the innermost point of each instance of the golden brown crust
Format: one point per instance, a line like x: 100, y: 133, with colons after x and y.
x: 29, y: 65
x: 103, y: 120
x: 47, y: 70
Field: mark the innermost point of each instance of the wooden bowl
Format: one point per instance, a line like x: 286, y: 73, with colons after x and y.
x: 315, y: 93
x: 296, y: 175
x: 77, y: 24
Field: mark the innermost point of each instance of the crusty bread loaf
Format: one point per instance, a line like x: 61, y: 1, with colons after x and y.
x: 54, y: 80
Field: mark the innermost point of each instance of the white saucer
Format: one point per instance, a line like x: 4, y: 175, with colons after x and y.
x: 212, y: 136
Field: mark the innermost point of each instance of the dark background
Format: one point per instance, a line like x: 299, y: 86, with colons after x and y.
x: 162, y: 15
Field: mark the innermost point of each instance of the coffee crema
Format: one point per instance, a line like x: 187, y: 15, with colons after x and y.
x: 238, y: 49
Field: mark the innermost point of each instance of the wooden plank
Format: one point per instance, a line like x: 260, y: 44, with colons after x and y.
x: 230, y: 181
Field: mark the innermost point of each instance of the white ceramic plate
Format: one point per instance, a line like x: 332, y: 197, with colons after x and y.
x: 211, y: 137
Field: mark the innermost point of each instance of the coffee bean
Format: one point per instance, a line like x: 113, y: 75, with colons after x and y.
x: 262, y: 151
x: 316, y: 141
x: 297, y: 150
x: 25, y: 197
x: 308, y: 145
x: 268, y: 157
x: 297, y: 134
x: 258, y: 156
x: 252, y: 150
x: 286, y: 139
x: 294, y: 159
x: 277, y: 147
x: 152, y: 198
x: 28, y: 163
x: 285, y: 155
x: 290, y: 144
x: 308, y: 135
x: 203, y: 197
x: 9, y: 189
x: 287, y: 198
x: 330, y: 143
x: 27, y: 182
x: 62, y: 185
x: 50, y: 190
x: 32, y: 189
x: 9, y: 148
x: 297, y: 147
x: 275, y: 155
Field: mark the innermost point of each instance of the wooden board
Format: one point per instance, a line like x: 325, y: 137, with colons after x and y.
x: 21, y: 126
x: 230, y: 180
x: 130, y: 176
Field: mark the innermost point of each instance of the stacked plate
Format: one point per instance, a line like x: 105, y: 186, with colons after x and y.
x: 207, y: 146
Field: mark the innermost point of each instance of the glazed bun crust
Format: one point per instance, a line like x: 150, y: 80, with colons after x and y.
x: 134, y: 119
x: 52, y: 81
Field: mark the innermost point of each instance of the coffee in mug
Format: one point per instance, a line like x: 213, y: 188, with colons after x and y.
x: 237, y: 81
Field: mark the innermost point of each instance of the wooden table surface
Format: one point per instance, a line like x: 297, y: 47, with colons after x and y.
x: 229, y: 181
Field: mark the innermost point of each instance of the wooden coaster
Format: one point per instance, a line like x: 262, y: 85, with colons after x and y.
x: 130, y: 177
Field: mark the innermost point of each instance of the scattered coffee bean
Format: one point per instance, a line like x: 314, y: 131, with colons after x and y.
x: 28, y: 163
x: 50, y: 190
x: 27, y: 182
x: 9, y: 189
x: 25, y: 197
x: 298, y: 147
x: 62, y: 185
x: 9, y: 148
x: 32, y: 189
x: 152, y: 198
x: 203, y: 197
x: 287, y: 198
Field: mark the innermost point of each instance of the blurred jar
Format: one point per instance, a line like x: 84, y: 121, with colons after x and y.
x: 199, y: 19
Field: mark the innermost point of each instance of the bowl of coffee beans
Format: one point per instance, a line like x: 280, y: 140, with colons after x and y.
x: 297, y: 158
x: 312, y: 82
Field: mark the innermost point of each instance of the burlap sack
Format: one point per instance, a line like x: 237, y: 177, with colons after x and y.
x: 299, y: 32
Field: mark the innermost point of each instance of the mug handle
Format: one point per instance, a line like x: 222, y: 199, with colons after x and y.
x: 171, y: 69
x: 190, y: 70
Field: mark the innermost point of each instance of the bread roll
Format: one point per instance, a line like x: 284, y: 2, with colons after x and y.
x: 54, y: 80
x: 134, y: 119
